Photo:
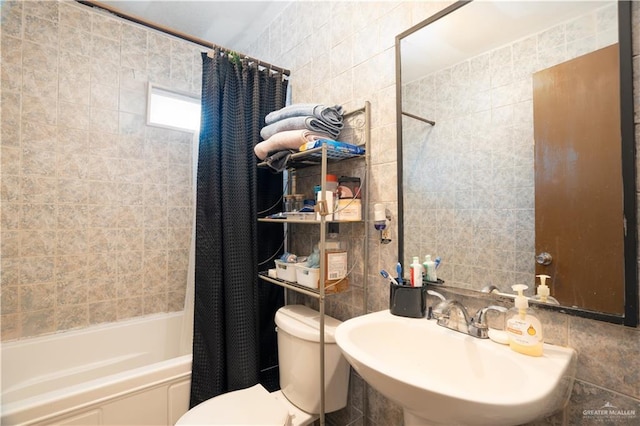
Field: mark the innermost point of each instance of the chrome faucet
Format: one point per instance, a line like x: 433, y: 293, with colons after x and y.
x: 453, y: 315
x: 478, y: 326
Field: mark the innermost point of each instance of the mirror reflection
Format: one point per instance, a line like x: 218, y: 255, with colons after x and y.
x: 495, y: 140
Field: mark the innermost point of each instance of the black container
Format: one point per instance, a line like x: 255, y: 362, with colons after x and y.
x: 406, y: 301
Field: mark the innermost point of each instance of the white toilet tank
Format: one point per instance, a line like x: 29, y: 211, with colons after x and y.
x: 299, y: 359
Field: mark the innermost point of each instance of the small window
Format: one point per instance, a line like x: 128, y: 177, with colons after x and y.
x: 172, y: 109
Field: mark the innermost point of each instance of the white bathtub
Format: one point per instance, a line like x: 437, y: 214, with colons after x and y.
x: 126, y: 373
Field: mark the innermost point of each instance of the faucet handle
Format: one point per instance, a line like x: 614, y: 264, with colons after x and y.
x: 479, y: 317
x: 436, y: 310
x: 478, y: 326
x: 490, y: 289
x: 438, y: 295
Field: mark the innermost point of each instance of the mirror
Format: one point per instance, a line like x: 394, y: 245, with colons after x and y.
x: 488, y: 134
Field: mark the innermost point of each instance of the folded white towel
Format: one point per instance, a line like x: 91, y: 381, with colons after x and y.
x: 288, y: 139
x: 331, y: 115
x: 298, y: 123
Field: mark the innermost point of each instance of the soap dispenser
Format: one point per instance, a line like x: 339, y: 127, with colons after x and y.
x: 543, y: 292
x: 523, y: 327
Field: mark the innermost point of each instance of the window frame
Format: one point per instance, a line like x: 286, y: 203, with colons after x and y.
x: 157, y: 89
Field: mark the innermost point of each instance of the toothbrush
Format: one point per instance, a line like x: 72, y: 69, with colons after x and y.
x: 399, y: 271
x: 386, y: 275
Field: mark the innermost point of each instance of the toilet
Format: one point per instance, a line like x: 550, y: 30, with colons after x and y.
x: 297, y: 403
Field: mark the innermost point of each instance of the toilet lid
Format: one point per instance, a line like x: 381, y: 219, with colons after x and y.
x: 250, y: 406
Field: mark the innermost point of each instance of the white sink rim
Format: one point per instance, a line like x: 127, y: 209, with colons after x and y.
x: 547, y: 378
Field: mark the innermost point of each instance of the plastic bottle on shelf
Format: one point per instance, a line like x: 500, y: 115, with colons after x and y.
x: 298, y: 203
x: 289, y: 203
x: 329, y: 196
x: 332, y: 183
x: 336, y: 262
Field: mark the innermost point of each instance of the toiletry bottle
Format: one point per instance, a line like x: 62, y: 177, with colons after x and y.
x: 543, y: 292
x: 416, y: 272
x: 336, y: 259
x: 430, y: 269
x: 329, y: 196
x: 523, y: 327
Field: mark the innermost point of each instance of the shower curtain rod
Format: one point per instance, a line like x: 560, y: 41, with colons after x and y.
x: 179, y: 34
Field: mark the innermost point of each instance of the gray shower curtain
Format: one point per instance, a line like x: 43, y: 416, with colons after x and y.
x: 234, y: 342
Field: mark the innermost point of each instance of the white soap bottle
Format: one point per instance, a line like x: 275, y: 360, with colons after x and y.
x: 416, y: 272
x: 523, y: 326
x: 543, y: 292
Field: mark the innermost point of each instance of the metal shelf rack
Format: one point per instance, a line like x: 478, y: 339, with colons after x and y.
x: 357, y: 129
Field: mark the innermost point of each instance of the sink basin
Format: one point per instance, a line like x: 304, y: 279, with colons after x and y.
x: 440, y: 376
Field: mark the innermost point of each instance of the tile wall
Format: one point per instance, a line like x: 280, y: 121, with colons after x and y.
x: 96, y: 205
x: 343, y: 52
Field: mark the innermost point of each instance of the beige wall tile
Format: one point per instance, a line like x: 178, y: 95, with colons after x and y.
x: 608, y: 363
x: 37, y: 322
x: 113, y: 287
x: 12, y: 18
x: 37, y: 297
x: 129, y: 308
x: 40, y: 31
x: 37, y: 243
x: 10, y: 300
x: 101, y: 312
x: 76, y: 316
x: 587, y: 402
x: 10, y: 192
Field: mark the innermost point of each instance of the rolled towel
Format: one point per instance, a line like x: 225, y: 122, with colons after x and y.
x: 300, y: 123
x: 330, y: 115
x: 289, y: 139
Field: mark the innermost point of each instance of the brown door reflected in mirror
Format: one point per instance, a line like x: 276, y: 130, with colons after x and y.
x: 578, y: 176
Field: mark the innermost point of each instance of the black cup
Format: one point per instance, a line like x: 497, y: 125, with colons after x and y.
x: 406, y: 301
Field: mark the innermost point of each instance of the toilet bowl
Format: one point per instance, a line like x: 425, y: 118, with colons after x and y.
x: 298, y: 401
x: 268, y: 409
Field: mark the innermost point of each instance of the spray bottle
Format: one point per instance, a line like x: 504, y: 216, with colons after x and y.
x: 523, y: 327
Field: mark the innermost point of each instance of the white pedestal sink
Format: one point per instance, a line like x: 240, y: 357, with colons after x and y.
x: 442, y: 377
